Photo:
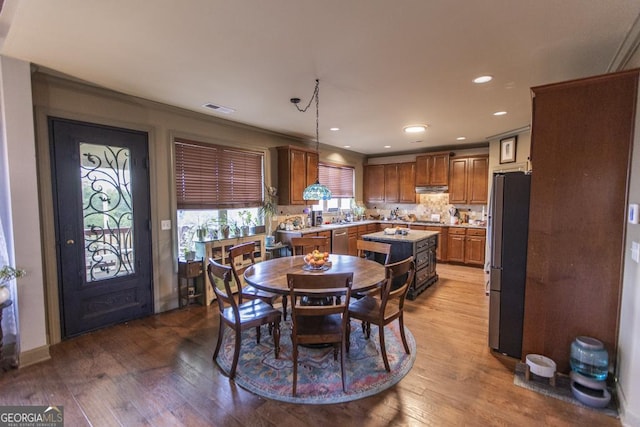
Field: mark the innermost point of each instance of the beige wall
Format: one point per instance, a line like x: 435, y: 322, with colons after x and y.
x: 67, y: 99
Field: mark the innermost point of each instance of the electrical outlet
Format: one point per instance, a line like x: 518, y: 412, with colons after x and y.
x: 165, y: 224
x: 635, y: 251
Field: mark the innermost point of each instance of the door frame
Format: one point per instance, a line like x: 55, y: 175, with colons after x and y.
x: 48, y: 234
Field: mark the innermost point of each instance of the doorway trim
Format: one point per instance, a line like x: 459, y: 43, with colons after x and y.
x: 48, y: 236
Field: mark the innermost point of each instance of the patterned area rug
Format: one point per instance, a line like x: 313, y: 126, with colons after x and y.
x: 319, y: 380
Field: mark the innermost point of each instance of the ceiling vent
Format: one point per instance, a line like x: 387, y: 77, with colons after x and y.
x: 219, y: 108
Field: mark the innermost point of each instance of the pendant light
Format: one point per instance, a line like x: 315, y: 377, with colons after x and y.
x: 314, y: 191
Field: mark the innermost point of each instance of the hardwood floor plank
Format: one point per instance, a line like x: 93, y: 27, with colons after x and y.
x: 158, y: 371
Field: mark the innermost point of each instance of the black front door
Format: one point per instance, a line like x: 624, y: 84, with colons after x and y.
x: 102, y: 218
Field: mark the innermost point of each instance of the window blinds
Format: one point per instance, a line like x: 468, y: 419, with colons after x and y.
x: 216, y: 177
x: 339, y: 179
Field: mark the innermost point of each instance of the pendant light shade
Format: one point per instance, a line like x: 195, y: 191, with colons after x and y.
x: 314, y: 191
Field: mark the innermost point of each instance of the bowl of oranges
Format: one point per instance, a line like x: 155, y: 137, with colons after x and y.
x: 317, y: 260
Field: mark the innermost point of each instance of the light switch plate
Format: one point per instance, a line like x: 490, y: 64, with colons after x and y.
x: 165, y: 224
x: 635, y: 251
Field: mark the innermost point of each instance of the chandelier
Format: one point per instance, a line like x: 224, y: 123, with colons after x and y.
x: 314, y: 191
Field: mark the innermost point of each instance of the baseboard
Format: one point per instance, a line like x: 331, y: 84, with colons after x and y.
x: 33, y: 356
x: 627, y: 416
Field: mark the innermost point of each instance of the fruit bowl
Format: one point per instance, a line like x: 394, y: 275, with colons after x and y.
x: 317, y: 260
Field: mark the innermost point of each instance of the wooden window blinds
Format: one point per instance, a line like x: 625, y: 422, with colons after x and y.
x: 339, y: 179
x: 211, y: 176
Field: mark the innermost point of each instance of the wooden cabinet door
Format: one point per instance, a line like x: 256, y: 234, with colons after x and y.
x: 391, y: 183
x: 478, y: 180
x: 373, y: 184
x: 441, y: 249
x: 353, y: 241
x: 458, y: 181
x: 298, y: 174
x: 474, y: 249
x: 407, y: 186
x: 422, y: 170
x: 439, y: 169
x: 455, y: 247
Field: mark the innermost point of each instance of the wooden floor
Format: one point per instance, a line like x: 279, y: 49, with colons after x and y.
x: 158, y: 371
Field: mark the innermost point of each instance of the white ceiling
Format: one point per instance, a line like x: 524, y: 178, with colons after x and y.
x: 381, y: 64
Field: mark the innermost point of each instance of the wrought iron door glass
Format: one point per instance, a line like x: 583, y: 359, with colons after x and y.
x: 108, y: 211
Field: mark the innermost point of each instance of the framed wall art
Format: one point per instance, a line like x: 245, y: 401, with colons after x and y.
x: 508, y: 149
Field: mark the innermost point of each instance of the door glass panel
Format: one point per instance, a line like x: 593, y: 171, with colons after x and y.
x: 108, y: 211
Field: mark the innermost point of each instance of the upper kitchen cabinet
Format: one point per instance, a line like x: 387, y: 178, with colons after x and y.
x: 297, y: 169
x: 390, y: 183
x: 581, y: 138
x: 469, y: 180
x: 432, y: 169
x: 373, y: 184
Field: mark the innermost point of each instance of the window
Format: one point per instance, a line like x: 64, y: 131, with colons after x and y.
x: 215, y: 185
x: 210, y: 176
x: 340, y: 180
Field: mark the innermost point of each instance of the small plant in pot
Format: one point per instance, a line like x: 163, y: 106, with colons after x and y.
x: 246, y: 218
x: 269, y: 208
x: 7, y: 274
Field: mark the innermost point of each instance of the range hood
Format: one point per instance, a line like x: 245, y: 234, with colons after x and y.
x: 430, y: 189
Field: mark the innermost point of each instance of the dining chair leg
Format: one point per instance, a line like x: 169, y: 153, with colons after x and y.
x: 348, y: 335
x: 383, y: 348
x: 342, y: 357
x: 276, y: 338
x: 236, y: 354
x: 404, y: 338
x: 295, y: 367
x: 284, y: 307
x: 219, y: 342
x: 258, y: 334
x: 366, y: 329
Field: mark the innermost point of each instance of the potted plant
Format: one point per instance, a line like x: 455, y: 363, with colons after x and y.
x: 269, y: 209
x: 8, y: 273
x: 246, y: 218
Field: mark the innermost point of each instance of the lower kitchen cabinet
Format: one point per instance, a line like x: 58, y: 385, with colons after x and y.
x: 466, y: 245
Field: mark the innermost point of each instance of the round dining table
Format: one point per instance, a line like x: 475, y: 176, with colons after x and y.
x: 271, y: 275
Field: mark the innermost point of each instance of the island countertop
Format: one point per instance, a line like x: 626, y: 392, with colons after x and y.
x: 411, y: 236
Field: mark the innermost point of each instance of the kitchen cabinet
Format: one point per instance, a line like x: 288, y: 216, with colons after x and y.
x: 581, y: 139
x: 297, y: 169
x: 390, y: 183
x: 469, y: 180
x: 441, y: 249
x: 374, y: 184
x: 466, y: 245
x: 432, y: 169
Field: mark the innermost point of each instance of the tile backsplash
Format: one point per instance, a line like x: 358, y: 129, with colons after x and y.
x: 429, y: 204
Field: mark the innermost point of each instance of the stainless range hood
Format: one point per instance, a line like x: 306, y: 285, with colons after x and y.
x: 431, y: 189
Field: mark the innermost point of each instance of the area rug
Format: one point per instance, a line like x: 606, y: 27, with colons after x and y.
x: 319, y: 380
x: 561, y: 391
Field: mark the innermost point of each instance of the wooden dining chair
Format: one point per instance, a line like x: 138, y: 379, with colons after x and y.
x: 240, y: 258
x: 368, y: 249
x: 304, y: 245
x: 388, y: 307
x: 319, y: 324
x: 253, y: 313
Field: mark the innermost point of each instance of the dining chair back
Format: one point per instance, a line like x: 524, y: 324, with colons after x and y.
x: 304, y: 245
x: 319, y: 323
x: 386, y: 308
x: 368, y: 249
x: 240, y: 258
x: 240, y: 316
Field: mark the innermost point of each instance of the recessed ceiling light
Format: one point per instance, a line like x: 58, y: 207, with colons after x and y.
x: 415, y: 128
x: 334, y: 129
x: 346, y: 146
x: 387, y: 146
x: 483, y: 79
x: 461, y: 138
x: 499, y: 113
x: 415, y: 142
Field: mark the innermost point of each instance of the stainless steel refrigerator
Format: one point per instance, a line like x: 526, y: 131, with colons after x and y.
x: 508, y: 231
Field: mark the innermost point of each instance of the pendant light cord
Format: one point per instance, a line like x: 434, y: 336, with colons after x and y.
x: 316, y: 95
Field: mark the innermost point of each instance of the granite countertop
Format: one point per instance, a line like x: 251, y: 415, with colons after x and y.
x: 411, y: 236
x: 365, y: 222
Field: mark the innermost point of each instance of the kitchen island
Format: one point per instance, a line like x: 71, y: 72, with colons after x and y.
x: 419, y: 244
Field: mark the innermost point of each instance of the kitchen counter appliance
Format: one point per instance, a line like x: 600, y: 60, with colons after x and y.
x: 340, y: 241
x: 508, y: 233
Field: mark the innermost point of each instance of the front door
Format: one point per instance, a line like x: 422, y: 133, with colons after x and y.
x: 102, y: 217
